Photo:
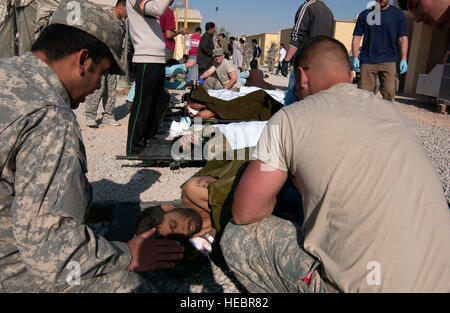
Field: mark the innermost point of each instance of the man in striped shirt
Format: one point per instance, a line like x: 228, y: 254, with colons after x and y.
x: 312, y: 19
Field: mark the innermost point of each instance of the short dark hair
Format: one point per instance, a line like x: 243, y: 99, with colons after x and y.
x: 59, y: 41
x: 198, y: 29
x: 282, y: 45
x: 318, y: 46
x: 254, y: 64
x: 153, y: 216
x: 148, y: 219
x: 241, y: 40
x: 122, y: 2
x: 254, y: 40
x: 403, y: 4
x: 209, y: 26
x: 171, y: 62
x: 232, y: 38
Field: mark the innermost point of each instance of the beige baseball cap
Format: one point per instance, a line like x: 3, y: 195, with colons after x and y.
x: 217, y: 52
x: 94, y: 20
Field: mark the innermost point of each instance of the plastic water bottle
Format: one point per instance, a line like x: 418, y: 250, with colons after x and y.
x: 188, y: 43
x: 194, y: 75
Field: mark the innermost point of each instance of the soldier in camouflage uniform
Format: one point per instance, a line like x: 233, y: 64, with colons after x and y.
x: 271, y: 55
x: 45, y: 244
x: 107, y: 92
x: 248, y: 56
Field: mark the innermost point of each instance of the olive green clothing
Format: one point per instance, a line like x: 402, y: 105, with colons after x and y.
x: 257, y: 105
x: 221, y: 192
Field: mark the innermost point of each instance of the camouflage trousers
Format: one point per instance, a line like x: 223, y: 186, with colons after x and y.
x: 268, y: 256
x: 106, y: 93
x: 270, y: 64
x: 115, y: 282
x: 212, y: 82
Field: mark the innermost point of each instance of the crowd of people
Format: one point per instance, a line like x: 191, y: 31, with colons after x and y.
x: 372, y: 215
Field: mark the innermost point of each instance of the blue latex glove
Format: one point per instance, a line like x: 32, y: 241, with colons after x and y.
x: 201, y: 81
x: 403, y: 67
x: 356, y: 65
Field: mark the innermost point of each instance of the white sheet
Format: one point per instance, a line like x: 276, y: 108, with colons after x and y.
x: 225, y: 94
x: 242, y: 135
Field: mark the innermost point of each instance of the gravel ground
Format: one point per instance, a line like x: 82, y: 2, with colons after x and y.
x: 121, y: 182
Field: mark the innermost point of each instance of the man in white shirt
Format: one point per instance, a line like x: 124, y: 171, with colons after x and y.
x: 281, y: 57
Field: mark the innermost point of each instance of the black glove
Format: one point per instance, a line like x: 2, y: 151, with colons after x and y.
x: 284, y: 68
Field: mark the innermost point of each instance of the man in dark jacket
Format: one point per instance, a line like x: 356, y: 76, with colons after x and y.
x: 205, y: 49
x: 256, y: 49
x: 312, y: 19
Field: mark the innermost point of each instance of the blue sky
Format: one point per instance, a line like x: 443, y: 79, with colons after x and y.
x: 247, y: 17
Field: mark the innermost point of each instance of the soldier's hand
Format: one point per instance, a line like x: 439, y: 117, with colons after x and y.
x: 149, y: 253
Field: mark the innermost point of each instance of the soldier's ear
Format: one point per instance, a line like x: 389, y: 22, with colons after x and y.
x: 82, y: 57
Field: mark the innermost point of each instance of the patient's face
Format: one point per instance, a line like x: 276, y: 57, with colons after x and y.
x: 176, y: 223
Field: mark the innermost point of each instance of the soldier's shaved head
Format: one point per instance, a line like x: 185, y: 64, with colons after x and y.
x: 325, y: 54
x: 322, y: 63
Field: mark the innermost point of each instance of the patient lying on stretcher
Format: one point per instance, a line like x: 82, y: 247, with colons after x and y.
x: 210, y: 194
x: 255, y: 106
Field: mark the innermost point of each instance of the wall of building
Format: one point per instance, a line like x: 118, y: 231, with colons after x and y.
x: 285, y: 37
x: 264, y: 41
x: 343, y: 31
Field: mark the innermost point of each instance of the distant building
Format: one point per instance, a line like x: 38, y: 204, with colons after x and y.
x: 194, y: 19
x: 264, y: 40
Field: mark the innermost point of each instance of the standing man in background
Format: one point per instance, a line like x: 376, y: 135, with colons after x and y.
x: 383, y: 28
x: 238, y: 56
x: 223, y: 43
x: 107, y: 92
x: 205, y: 49
x: 271, y: 55
x: 256, y: 49
x: 281, y: 57
x: 168, y: 26
x: 149, y: 62
x: 248, y: 53
x: 312, y: 19
x: 195, y: 41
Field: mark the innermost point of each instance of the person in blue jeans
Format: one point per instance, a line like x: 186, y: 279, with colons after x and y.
x: 384, y: 30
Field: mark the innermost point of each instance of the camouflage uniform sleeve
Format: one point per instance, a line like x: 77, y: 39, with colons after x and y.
x: 50, y: 206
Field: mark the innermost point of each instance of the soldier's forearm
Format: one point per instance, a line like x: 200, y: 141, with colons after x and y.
x: 403, y: 47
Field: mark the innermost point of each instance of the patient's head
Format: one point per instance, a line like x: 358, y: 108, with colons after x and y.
x: 183, y: 221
